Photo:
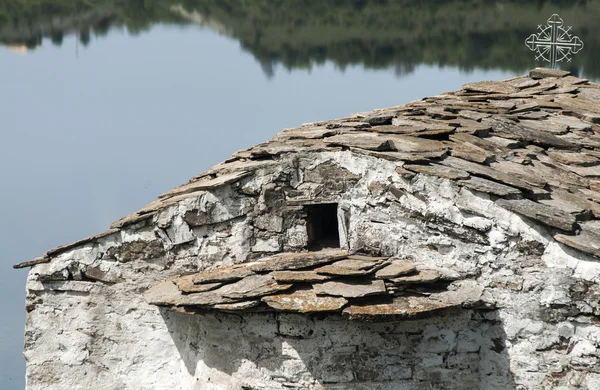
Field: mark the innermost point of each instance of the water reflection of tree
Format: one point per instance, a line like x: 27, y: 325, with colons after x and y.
x: 303, y: 33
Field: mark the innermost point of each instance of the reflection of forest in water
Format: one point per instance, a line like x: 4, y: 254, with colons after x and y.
x: 300, y: 33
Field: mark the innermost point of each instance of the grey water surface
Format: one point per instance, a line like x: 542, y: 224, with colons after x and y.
x: 95, y: 126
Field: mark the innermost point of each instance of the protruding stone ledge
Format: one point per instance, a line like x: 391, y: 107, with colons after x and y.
x: 316, y: 282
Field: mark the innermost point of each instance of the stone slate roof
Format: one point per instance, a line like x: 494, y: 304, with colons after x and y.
x: 531, y: 142
x: 360, y: 287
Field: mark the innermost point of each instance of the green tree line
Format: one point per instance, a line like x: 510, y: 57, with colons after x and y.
x: 301, y: 33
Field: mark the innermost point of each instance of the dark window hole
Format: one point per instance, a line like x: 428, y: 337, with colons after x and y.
x: 322, y: 226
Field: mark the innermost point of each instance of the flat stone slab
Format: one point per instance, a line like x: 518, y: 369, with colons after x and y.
x: 294, y: 261
x: 167, y: 294
x: 490, y: 173
x: 350, y: 267
x: 572, y: 123
x: 361, y: 141
x: 490, y: 87
x: 490, y: 187
x: 398, y: 308
x: 299, y: 276
x: 237, y: 306
x: 252, y: 286
x: 163, y: 294
x: 186, y: 284
x: 206, y: 298
x: 206, y: 184
x: 574, y: 158
x: 541, y: 73
x: 394, y: 269
x: 424, y: 276
x: 221, y: 275
x: 587, y: 242
x: 439, y: 171
x: 367, y: 258
x: 473, y: 115
x: 304, y: 301
x: 545, y: 214
x: 349, y: 289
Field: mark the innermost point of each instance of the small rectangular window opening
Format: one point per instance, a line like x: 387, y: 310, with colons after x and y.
x: 322, y: 226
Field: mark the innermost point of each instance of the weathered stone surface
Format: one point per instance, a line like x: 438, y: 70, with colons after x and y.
x: 490, y: 87
x: 583, y: 107
x: 165, y: 293
x: 555, y: 176
x: 237, y: 306
x: 32, y: 262
x: 526, y: 173
x: 105, y: 276
x: 592, y: 171
x: 137, y: 250
x: 304, y: 301
x: 206, y: 184
x: 490, y: 187
x: 252, y: 286
x: 438, y: 170
x: 579, y: 199
x: 403, y: 156
x: 362, y: 141
x: 524, y: 82
x: 404, y: 129
x: 405, y: 173
x: 534, y: 115
x: 572, y: 123
x: 545, y: 125
x: 398, y: 308
x: 221, y: 275
x: 469, y: 152
x: 467, y: 293
x: 299, y: 276
x: 203, y: 299
x: 351, y: 289
x: 573, y: 158
x: 423, y: 276
x: 370, y: 259
x: 294, y: 261
x: 186, y: 284
x: 394, y: 269
x: 489, y: 173
x: 474, y: 115
x: 350, y: 267
x: 481, y: 144
x: 512, y: 130
x: 541, y: 73
x: 317, y: 132
x: 415, y: 145
x: 525, y: 107
x: 545, y: 214
x: 383, y: 118
x: 588, y: 240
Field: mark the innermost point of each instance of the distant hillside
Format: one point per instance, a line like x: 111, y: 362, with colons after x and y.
x: 301, y: 33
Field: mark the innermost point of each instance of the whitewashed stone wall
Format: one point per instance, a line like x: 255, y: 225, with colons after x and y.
x: 88, y: 326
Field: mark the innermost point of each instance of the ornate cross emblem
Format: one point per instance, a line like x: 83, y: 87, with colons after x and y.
x: 553, y: 43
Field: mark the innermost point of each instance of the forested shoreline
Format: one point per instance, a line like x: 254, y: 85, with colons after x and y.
x: 301, y: 33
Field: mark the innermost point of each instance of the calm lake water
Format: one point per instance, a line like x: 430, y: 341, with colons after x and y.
x: 104, y: 107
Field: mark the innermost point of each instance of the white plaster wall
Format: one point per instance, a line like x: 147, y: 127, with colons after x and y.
x: 84, y: 333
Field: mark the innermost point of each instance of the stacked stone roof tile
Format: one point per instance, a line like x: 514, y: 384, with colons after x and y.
x: 531, y: 142
x: 330, y: 280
